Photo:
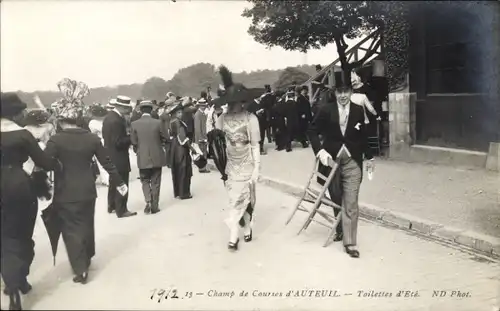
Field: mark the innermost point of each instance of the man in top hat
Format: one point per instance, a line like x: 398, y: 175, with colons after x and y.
x: 148, y: 136
x: 117, y: 142
x: 345, y: 141
x: 200, y: 130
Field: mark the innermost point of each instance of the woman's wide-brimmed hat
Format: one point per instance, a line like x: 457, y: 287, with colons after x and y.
x: 11, y: 104
x: 98, y: 111
x: 234, y: 92
x: 174, y: 108
x: 36, y: 117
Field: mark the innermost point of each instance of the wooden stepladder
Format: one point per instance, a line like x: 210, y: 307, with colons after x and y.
x: 312, y: 195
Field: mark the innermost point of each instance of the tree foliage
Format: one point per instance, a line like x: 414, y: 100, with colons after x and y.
x: 304, y: 25
x: 289, y: 76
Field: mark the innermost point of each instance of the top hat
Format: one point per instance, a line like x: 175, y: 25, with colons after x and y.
x: 123, y: 101
x: 343, y: 80
x: 11, y: 104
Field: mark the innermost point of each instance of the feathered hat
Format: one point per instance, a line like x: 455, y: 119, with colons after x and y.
x: 234, y: 92
x: 70, y: 106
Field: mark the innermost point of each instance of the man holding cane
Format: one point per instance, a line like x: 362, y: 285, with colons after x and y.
x: 345, y: 141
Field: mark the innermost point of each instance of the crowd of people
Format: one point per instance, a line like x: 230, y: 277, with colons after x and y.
x: 94, y: 142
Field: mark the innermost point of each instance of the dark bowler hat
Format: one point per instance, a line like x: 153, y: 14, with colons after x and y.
x: 11, y: 104
x: 343, y: 80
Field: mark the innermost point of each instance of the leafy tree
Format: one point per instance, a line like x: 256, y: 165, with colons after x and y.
x: 302, y: 25
x: 289, y: 76
x: 154, y: 88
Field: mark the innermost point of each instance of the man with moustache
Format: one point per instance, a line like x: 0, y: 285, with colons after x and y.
x: 117, y: 142
x: 345, y: 141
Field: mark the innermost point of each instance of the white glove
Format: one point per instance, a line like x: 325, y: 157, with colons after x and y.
x: 324, y: 157
x: 123, y: 189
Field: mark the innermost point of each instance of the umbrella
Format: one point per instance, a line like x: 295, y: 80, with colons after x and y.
x: 217, y: 147
x: 53, y: 225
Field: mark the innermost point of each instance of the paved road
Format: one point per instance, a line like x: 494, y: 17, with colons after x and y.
x: 461, y: 198
x: 184, y: 246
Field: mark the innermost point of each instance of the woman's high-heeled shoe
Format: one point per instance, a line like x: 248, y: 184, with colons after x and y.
x: 81, y: 278
x: 233, y: 246
x: 248, y: 237
x: 15, y: 301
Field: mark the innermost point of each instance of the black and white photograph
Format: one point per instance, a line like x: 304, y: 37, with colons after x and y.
x: 250, y: 155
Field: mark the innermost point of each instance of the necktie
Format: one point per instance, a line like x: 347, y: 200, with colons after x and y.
x: 343, y: 119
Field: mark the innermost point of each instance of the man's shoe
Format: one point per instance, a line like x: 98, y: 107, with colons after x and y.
x: 147, y: 210
x: 127, y: 214
x: 155, y: 210
x: 354, y: 253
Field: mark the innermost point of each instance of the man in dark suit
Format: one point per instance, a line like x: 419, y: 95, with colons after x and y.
x: 117, y: 142
x: 345, y: 141
x: 147, y: 137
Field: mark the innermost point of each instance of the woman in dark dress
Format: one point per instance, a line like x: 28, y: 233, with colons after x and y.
x: 74, y: 186
x: 182, y: 169
x: 19, y: 202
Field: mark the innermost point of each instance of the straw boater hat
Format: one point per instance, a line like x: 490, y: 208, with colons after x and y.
x: 202, y: 102
x: 123, y: 101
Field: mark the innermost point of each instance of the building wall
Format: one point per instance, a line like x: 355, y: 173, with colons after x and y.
x: 449, y: 65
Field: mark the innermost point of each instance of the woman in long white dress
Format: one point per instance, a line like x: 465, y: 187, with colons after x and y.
x: 241, y: 130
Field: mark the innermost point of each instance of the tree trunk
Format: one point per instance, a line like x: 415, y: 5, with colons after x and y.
x: 341, y: 49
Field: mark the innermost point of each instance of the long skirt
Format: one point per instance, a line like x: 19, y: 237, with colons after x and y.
x: 78, y: 233
x: 19, y: 208
x: 242, y: 199
x: 182, y: 170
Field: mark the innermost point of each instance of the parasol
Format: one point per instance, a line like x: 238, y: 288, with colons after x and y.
x: 53, y: 225
x: 217, y: 147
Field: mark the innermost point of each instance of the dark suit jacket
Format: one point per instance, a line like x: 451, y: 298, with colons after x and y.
x: 147, y: 137
x: 75, y: 149
x: 326, y: 124
x: 304, y: 109
x: 116, y: 140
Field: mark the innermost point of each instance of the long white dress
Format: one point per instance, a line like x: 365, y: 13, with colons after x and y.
x: 242, y: 134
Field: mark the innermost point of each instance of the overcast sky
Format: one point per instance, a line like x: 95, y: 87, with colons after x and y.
x: 121, y: 42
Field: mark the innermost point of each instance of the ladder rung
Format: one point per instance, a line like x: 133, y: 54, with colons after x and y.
x: 320, y: 176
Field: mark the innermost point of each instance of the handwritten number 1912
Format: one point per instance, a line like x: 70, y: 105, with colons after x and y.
x: 159, y: 294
